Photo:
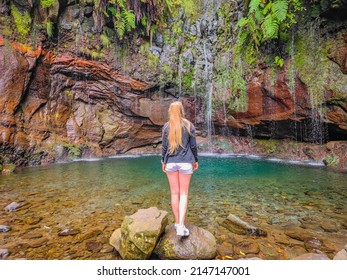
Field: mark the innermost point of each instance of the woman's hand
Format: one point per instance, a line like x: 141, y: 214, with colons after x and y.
x: 163, y: 166
x: 195, y: 166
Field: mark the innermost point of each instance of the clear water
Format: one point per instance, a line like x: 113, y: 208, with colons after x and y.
x: 96, y: 195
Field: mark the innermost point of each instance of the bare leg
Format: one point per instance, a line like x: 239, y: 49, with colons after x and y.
x: 184, y: 181
x: 175, y: 193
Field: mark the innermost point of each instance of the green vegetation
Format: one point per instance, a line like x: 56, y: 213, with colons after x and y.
x: 191, y: 8
x: 166, y: 75
x: 331, y: 160
x: 151, y: 16
x: 315, y: 68
x: 152, y: 59
x: 94, y: 53
x: 266, y: 20
x: 231, y: 87
x: 73, y: 150
x: 22, y: 20
x: 269, y: 146
x: 49, y: 29
x: 105, y: 40
x: 187, y: 81
x: 123, y: 19
x: 47, y: 3
x: 9, y: 168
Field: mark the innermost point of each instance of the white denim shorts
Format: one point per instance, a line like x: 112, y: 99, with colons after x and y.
x: 184, y: 168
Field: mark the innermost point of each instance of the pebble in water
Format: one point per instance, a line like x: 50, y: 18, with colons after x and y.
x: 13, y: 206
x: 4, y: 228
x: 4, y: 253
x: 67, y: 232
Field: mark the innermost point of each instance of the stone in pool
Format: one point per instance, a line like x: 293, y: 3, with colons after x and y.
x: 4, y: 253
x: 139, y: 233
x: 238, y: 226
x: 13, y: 206
x: 312, y: 256
x: 199, y: 245
x: 4, y: 228
x: 67, y: 232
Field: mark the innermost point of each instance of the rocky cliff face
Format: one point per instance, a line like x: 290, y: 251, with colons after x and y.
x: 58, y: 107
x: 73, y: 96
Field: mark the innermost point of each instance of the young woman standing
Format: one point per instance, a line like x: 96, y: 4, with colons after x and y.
x: 179, y: 161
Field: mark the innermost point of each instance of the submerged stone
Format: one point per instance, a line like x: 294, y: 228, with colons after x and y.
x: 13, y: 206
x: 93, y: 246
x: 329, y: 226
x: 199, y: 245
x: 312, y: 256
x: 32, y: 221
x: 238, y: 226
x: 4, y: 253
x: 67, y: 232
x: 315, y: 243
x: 32, y: 236
x: 139, y: 233
x: 298, y: 234
x: 4, y: 228
x: 247, y: 247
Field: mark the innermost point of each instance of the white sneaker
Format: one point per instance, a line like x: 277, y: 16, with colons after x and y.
x: 181, y: 230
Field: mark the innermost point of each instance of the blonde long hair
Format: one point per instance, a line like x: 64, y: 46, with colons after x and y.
x: 176, y: 123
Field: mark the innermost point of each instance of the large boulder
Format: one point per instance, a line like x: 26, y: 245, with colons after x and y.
x: 238, y: 226
x: 139, y: 233
x: 199, y: 245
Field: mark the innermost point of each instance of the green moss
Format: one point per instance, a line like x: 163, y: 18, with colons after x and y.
x: 68, y: 92
x: 9, y: 168
x: 316, y: 70
x: 267, y: 146
x: 231, y: 86
x: 49, y: 29
x: 47, y: 3
x: 73, y: 150
x: 22, y: 20
x: 187, y: 81
x: 331, y: 160
x: 105, y: 40
x: 166, y: 75
x: 152, y: 59
x: 5, y: 26
x: 191, y: 8
x: 94, y: 54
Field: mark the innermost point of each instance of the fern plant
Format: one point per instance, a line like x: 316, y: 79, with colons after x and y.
x: 123, y: 19
x: 264, y: 21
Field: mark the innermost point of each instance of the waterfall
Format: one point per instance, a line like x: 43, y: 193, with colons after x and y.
x: 292, y: 85
x: 180, y: 75
x: 316, y: 94
x: 209, y: 96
